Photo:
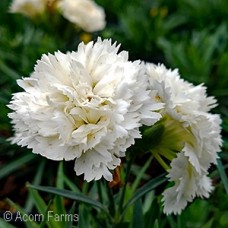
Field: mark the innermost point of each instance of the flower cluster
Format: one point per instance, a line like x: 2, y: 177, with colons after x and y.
x: 191, y: 137
x: 88, y: 106
x: 84, y: 13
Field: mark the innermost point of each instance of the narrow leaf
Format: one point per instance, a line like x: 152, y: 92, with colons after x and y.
x: 58, y: 201
x: 70, y: 195
x: 152, y: 214
x: 222, y: 174
x: 29, y: 222
x: 84, y: 220
x: 48, y: 221
x: 137, y: 215
x: 36, y: 181
x: 43, y: 208
x: 144, y: 189
x: 75, y: 217
x: 60, y: 176
x: 140, y: 174
x: 156, y: 224
x: 16, y: 164
x: 70, y: 184
x: 39, y: 202
x: 5, y: 224
x: 8, y: 71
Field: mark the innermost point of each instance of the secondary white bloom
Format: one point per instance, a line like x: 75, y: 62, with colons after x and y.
x: 85, y: 13
x: 29, y: 8
x: 182, y: 99
x: 191, y: 137
x: 85, y: 105
x: 188, y: 184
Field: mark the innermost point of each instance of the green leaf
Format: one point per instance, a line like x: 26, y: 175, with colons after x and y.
x: 154, y: 211
x: 144, y: 189
x: 60, y: 176
x: 149, y: 198
x: 172, y: 222
x: 15, y: 164
x: 8, y: 71
x: 29, y: 223
x: 70, y: 184
x: 137, y: 215
x: 43, y: 208
x: 40, y: 170
x: 209, y: 224
x: 5, y: 224
x: 69, y: 223
x: 45, y: 220
x: 156, y: 224
x: 58, y: 201
x: 152, y: 214
x: 39, y: 202
x: 84, y: 220
x: 222, y: 174
x: 140, y: 174
x: 70, y: 195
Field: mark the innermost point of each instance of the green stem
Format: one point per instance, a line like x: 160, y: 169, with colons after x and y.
x: 99, y: 191
x: 170, y: 155
x: 161, y: 161
x: 111, y: 200
x: 129, y: 163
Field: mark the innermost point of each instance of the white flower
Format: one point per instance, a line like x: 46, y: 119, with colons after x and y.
x: 188, y: 184
x: 191, y: 137
x: 29, y: 8
x: 182, y: 99
x: 86, y: 105
x: 85, y: 13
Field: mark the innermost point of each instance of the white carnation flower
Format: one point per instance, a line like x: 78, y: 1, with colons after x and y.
x: 85, y: 13
x: 188, y: 184
x: 29, y: 8
x: 86, y: 105
x: 182, y: 99
x: 191, y: 136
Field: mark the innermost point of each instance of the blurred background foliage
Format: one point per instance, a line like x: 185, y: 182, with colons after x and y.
x: 190, y: 35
